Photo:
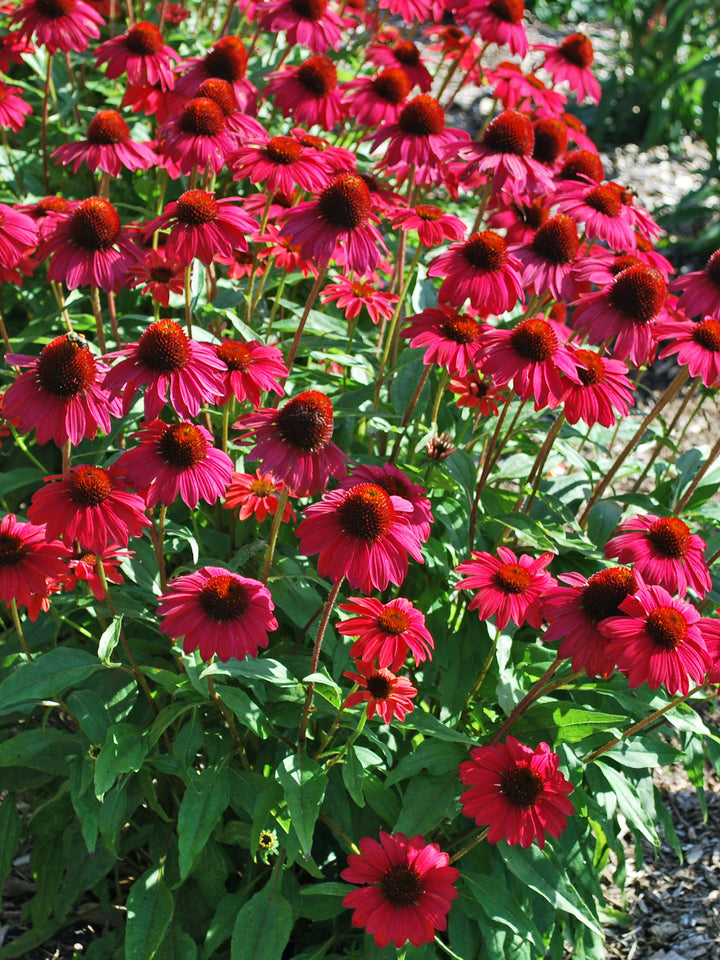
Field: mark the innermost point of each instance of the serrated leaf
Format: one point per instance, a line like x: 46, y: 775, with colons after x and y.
x: 262, y: 927
x: 304, y: 783
x: 202, y: 806
x: 150, y: 908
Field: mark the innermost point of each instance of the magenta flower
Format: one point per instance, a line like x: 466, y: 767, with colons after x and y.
x: 700, y: 289
x: 497, y: 21
x: 108, y: 147
x: 405, y: 55
x: 363, y: 534
x: 518, y: 792
x: 61, y: 396
x: 452, y: 338
x: 509, y: 588
x: 308, y: 92
x: 664, y: 552
x: 58, y: 24
x: 354, y: 295
x: 219, y: 612
x: 697, y: 346
x: 385, y: 694
x: 90, y: 505
x: 600, y: 209
x: 603, y: 393
x: 575, y: 611
x: 571, y: 61
x: 548, y: 259
x: 397, y: 484
x: 226, y: 60
x: 13, y: 109
x: 658, y: 641
x: 386, y: 631
x: 84, y: 567
x: 256, y: 495
x: 481, y: 270
x: 176, y: 459
x: 252, y: 368
x: 170, y: 366
x: 29, y: 563
x: 280, y: 163
x: 197, y: 137
x: 515, y: 90
x: 202, y: 226
x: 432, y: 224
x: 371, y: 101
x: 294, y: 442
x: 140, y: 54
x: 308, y: 23
x: 18, y: 233
x: 161, y: 276
x: 89, y: 247
x: 407, y: 888
x: 240, y: 126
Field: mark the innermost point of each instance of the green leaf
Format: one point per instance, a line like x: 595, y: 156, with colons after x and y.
x: 9, y: 835
x: 428, y: 724
x: 246, y: 710
x: 629, y: 802
x: 602, y: 521
x: 262, y: 927
x: 567, y: 724
x: 202, y: 806
x: 222, y: 923
x: 49, y: 675
x: 427, y: 801
x: 499, y: 905
x: 109, y: 639
x: 150, y: 908
x: 352, y: 774
x: 125, y: 749
x: 304, y: 783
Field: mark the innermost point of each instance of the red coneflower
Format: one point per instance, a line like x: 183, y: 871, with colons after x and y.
x: 363, y: 534
x: 227, y: 60
x: 517, y: 91
x: 160, y: 275
x: 202, y: 226
x: 43, y: 212
x: 239, y: 125
x: 256, y: 494
x: 169, y: 366
x: 308, y: 23
x: 397, y: 484
x: 600, y: 209
x: 197, y: 137
x: 354, y: 295
x: 604, y: 391
x: 108, y: 147
x: 579, y: 164
x: 61, y: 396
x: 18, y: 233
x: 405, y: 55
x: 28, y: 563
x: 141, y: 54
x: 700, y: 289
x: 294, y: 443
x: 89, y: 247
x: 657, y: 641
x: 84, y: 568
x: 497, y: 21
x: 308, y: 92
x: 481, y: 270
x: 697, y: 346
x: 13, y: 109
x: 407, y: 888
x: 176, y: 459
x: 571, y: 61
x: 91, y: 505
x: 280, y: 163
x: 509, y: 587
x: 58, y: 24
x: 517, y: 791
x: 663, y: 551
x: 385, y: 694
x: 386, y: 631
x: 432, y: 224
x: 452, y: 338
x: 379, y: 99
x: 547, y: 261
x: 252, y: 368
x: 218, y: 612
x: 477, y: 390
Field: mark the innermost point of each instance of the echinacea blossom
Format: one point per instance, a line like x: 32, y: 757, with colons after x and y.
x: 551, y: 140
x: 339, y: 225
x: 226, y: 60
x: 599, y: 208
x: 697, y: 346
x: 407, y: 888
x: 108, y: 147
x: 663, y: 551
x: 60, y: 396
x: 603, y: 394
x: 519, y: 91
x: 169, y: 366
x: 160, y: 275
x: 571, y: 61
x: 532, y: 356
x: 508, y: 587
x: 279, y: 163
x: 13, y: 109
x: 150, y: 99
x: 504, y: 153
x: 409, y: 10
x: 581, y: 164
x: 452, y: 338
x: 18, y: 233
x: 477, y: 391
x: 256, y: 494
x: 575, y: 611
x: 433, y: 225
x: 252, y: 368
x: 197, y: 137
x: 83, y: 567
x: 176, y: 459
x: 58, y: 24
x: 374, y: 100
x: 307, y: 23
x: 308, y: 92
x: 140, y: 54
x: 28, y: 562
x: 547, y: 260
x: 386, y: 631
x: 520, y: 220
x: 294, y: 443
x: 43, y: 212
x: 89, y: 247
x: 218, y: 612
x: 240, y: 126
x: 480, y: 270
x: 352, y: 296
x: 497, y: 21
x: 700, y: 289
x: 385, y: 694
x: 202, y: 225
x: 91, y: 505
x: 657, y: 640
x: 396, y: 483
x: 361, y: 533
x: 405, y: 55
x: 518, y: 792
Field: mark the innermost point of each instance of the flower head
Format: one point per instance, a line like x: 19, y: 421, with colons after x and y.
x: 13, y: 109
x: 432, y: 224
x: 108, y: 147
x: 518, y: 792
x: 202, y: 226
x: 252, y: 368
x: 385, y: 694
x: 452, y: 338
x: 140, y: 54
x: 386, y: 631
x: 160, y: 275
x: 18, y: 232
x: 547, y: 260
x: 354, y: 295
x: 600, y: 209
x: 308, y: 92
x: 405, y: 55
x: 379, y: 99
x: 308, y: 23
x: 280, y: 163
x: 397, y: 484
x: 226, y: 60
x: 497, y: 21
x: 700, y: 289
x: 604, y: 391
x: 407, y: 888
x: 481, y: 270
x: 197, y: 137
x: 256, y: 495
x: 28, y: 562
x: 58, y: 24
x: 696, y: 345
x: 219, y: 612
x: 83, y: 567
x: 510, y: 588
x: 571, y: 61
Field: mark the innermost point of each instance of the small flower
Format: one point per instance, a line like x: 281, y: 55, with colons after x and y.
x: 481, y: 270
x: 84, y: 567
x: 28, y: 562
x: 226, y: 60
x: 18, y: 232
x: 509, y: 588
x: 697, y: 346
x: 600, y: 209
x: 170, y: 366
x: 294, y: 442
x: 252, y: 368
x: 354, y: 295
x: 497, y: 21
x: 91, y: 505
x: 308, y: 23
x: 452, y: 338
x: 140, y: 54
x: 517, y: 791
x: 176, y: 459
x: 256, y: 494
x: 375, y: 100
x: 13, y: 109
x: 571, y: 61
x: 476, y: 390
x: 308, y: 92
x: 197, y: 137
x: 657, y: 641
x: 363, y: 534
x: 547, y: 260
x: 387, y: 695
x: 108, y: 147
x: 219, y: 612
x: 700, y: 289
x: 407, y: 888
x: 280, y: 163
x: 604, y: 391
x: 405, y: 55
x: 386, y: 631
x: 58, y: 24
x: 663, y: 552
x: 432, y: 224
x: 397, y: 484
x: 161, y: 276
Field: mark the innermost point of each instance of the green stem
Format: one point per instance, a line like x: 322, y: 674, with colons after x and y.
x: 441, y: 389
x: 473, y: 843
x: 408, y: 413
x: 44, y: 123
x: 188, y: 299
x: 18, y: 627
x: 390, y: 334
x: 97, y: 313
x: 536, y: 473
x: 669, y: 432
x: 685, y: 499
x: 158, y: 544
x: 530, y: 697
x: 314, y: 660
x: 319, y: 280
x: 483, y: 672
x: 274, y: 531
x: 20, y: 442
x: 225, y: 711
